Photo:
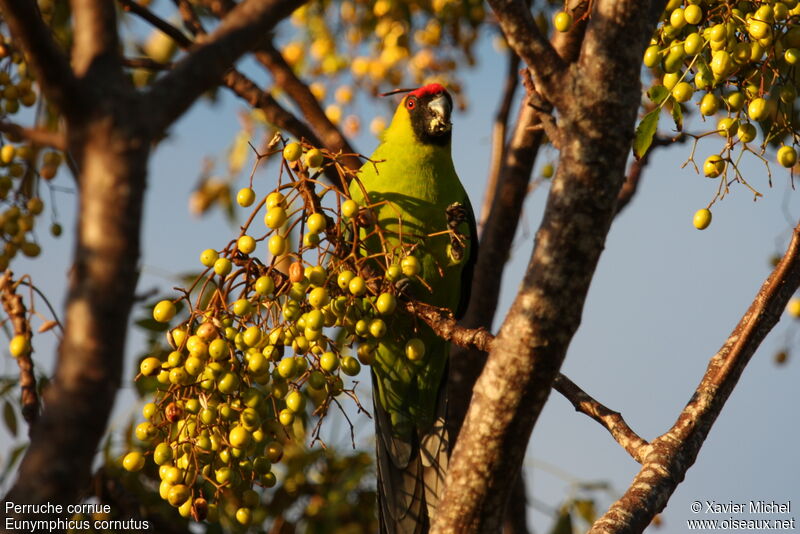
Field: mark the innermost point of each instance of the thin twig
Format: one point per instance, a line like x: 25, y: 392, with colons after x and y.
x: 37, y: 136
x: 15, y: 309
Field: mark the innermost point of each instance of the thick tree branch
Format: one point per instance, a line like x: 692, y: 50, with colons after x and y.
x: 48, y: 61
x: 527, y: 354
x: 204, y: 67
x: 524, y: 37
x: 286, y: 79
x: 95, y: 50
x: 37, y: 136
x: 674, y: 452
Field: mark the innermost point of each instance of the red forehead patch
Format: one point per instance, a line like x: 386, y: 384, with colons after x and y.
x: 430, y: 89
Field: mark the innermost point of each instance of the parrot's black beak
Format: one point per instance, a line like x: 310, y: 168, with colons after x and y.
x: 440, y: 108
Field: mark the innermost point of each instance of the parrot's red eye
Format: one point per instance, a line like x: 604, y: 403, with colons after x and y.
x: 411, y: 103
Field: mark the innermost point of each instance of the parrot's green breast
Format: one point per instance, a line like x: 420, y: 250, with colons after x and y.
x: 410, y: 188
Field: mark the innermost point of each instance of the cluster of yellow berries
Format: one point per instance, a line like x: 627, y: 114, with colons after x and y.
x: 265, y: 342
x: 736, y: 59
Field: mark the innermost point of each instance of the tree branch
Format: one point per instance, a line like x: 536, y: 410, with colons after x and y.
x: 208, y: 62
x: 445, y: 326
x: 530, y: 347
x: 286, y: 79
x: 95, y: 50
x: 530, y: 45
x: 637, y: 447
x: 499, y: 130
x: 674, y: 452
x: 48, y: 61
x: 15, y: 309
x: 37, y: 136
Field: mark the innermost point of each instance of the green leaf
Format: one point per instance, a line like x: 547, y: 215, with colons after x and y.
x: 586, y: 510
x: 12, y: 461
x: 643, y: 137
x: 151, y: 324
x: 657, y: 94
x: 10, y: 418
x: 563, y: 524
x: 677, y: 116
x: 7, y: 384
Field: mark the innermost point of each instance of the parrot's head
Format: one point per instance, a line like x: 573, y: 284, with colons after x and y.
x: 429, y: 109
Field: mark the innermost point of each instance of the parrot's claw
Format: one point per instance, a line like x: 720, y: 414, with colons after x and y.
x: 456, y: 214
x: 403, y: 287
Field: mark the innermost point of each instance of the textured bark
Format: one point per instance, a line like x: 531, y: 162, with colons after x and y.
x: 597, y: 100
x: 110, y: 130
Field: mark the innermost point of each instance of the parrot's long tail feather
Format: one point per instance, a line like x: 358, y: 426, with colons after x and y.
x: 410, y: 472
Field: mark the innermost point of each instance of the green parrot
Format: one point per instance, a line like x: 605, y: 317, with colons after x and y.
x: 417, y: 200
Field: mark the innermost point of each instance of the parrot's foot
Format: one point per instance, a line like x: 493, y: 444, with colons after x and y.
x: 456, y: 214
x: 404, y: 288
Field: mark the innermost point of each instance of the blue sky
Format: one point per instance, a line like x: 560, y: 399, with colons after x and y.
x: 664, y: 299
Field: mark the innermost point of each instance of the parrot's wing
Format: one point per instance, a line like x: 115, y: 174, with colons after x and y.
x: 411, y: 474
x: 469, y: 266
x: 400, y: 474
x: 434, y: 450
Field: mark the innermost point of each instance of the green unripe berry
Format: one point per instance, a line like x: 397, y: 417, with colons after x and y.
x: 218, y: 349
x: 275, y: 217
x: 713, y: 166
x: 709, y: 104
x: 316, y: 223
x: 277, y: 245
x: 162, y: 454
x: 164, y: 311
x: 386, y: 304
x: 228, y: 383
x: 133, y: 461
x: 150, y: 366
x: 727, y: 126
x: 178, y: 495
x: 410, y: 266
x: 377, y: 328
x: 349, y: 208
x: 287, y: 368
x: 295, y: 401
x: 292, y: 152
x: 747, y: 132
x: 329, y: 362
x: 318, y: 297
x: 350, y: 366
x: 242, y: 307
x: 357, y: 287
x: 415, y: 349
x: 652, y: 56
x: 314, y: 158
x: 344, y: 278
x: 787, y: 156
x: 264, y: 285
x: 223, y: 266
x: 682, y: 92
